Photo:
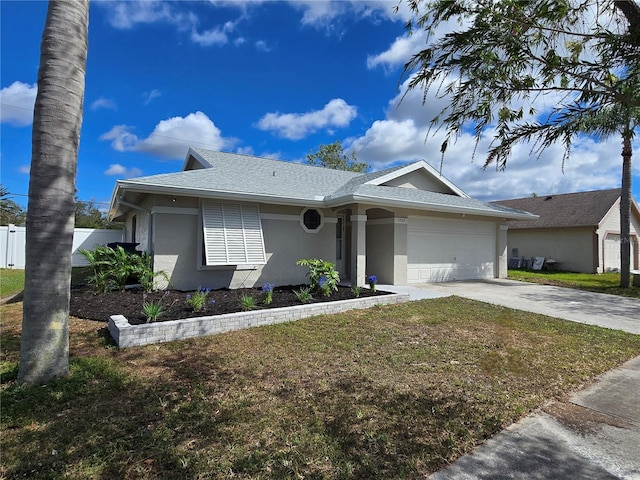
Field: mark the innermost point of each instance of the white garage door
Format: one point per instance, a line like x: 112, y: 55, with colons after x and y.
x: 443, y: 250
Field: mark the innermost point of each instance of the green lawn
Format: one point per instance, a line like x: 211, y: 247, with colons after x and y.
x: 600, y: 283
x: 11, y: 282
x: 389, y: 392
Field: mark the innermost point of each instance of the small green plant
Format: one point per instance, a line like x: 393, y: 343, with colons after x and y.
x: 198, y: 300
x: 266, y: 293
x: 304, y: 294
x: 143, y: 271
x: 100, y: 263
x: 323, y: 276
x: 324, y: 286
x: 356, y: 290
x: 372, y: 280
x: 247, y: 302
x: 152, y: 310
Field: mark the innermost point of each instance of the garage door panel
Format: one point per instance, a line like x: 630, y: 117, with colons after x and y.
x: 444, y: 250
x: 416, y: 273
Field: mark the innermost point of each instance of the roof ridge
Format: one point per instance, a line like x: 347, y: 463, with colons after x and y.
x: 607, y: 190
x: 200, y: 151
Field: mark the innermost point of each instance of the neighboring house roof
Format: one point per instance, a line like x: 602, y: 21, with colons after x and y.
x: 583, y: 209
x: 242, y: 177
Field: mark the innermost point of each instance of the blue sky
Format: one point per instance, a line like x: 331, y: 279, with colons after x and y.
x: 266, y: 78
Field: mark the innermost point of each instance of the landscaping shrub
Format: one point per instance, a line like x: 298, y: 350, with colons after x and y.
x: 323, y: 276
x: 114, y: 268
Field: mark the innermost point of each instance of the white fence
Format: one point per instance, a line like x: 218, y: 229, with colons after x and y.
x: 13, y: 242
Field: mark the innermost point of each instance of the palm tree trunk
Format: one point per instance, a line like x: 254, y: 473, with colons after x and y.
x: 625, y: 210
x: 44, y: 345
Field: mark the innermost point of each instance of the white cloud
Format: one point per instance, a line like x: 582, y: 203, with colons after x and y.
x: 323, y: 14
x: 171, y: 138
x: 407, y: 45
x: 103, y: 102
x: 213, y: 36
x: 592, y: 166
x: 17, y: 102
x: 262, y: 46
x: 294, y: 126
x: 125, y: 14
x: 389, y: 140
x: 399, y: 53
x: 403, y: 135
x: 148, y: 96
x: 25, y: 169
x: 115, y: 169
x: 122, y: 139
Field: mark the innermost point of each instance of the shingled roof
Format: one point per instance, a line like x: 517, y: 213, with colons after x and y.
x: 583, y: 209
x: 249, y: 178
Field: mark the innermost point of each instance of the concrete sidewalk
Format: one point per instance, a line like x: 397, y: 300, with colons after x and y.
x: 596, y: 434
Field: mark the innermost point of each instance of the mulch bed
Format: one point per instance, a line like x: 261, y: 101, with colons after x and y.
x: 89, y: 305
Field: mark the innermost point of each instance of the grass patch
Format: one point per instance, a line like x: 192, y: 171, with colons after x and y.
x: 597, y: 282
x: 11, y: 281
x: 389, y: 392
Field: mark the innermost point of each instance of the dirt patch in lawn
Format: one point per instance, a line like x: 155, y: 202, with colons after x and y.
x: 85, y: 303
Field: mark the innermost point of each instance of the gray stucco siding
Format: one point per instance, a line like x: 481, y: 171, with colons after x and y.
x: 286, y: 242
x: 380, y: 251
x: 177, y: 248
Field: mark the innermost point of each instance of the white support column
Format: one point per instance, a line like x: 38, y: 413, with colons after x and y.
x: 400, y: 235
x: 502, y: 256
x: 358, y: 249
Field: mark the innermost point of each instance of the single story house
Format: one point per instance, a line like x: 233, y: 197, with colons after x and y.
x: 231, y: 220
x: 579, y: 230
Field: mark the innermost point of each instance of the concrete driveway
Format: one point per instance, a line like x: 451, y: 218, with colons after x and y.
x: 609, y: 311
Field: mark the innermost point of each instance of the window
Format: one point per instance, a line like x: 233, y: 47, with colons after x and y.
x: 232, y: 234
x: 312, y: 220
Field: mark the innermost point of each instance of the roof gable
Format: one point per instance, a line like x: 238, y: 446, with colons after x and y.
x: 421, y: 176
x: 582, y: 209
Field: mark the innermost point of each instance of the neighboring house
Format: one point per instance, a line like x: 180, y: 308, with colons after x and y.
x: 230, y: 220
x: 579, y: 230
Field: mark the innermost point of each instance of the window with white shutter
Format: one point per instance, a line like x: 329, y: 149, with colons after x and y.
x: 232, y: 234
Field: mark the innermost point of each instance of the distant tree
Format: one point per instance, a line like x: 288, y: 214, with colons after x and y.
x: 57, y: 118
x: 499, y: 57
x: 333, y: 156
x: 10, y: 211
x: 89, y: 216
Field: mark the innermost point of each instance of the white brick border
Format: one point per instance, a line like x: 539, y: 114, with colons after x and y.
x: 127, y: 335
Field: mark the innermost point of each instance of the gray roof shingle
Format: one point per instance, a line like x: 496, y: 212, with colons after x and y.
x: 242, y: 175
x: 583, y: 209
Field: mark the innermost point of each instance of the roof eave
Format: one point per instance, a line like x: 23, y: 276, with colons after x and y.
x: 434, y: 207
x: 226, y: 195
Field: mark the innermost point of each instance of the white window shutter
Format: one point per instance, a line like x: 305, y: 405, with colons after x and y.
x: 232, y: 234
